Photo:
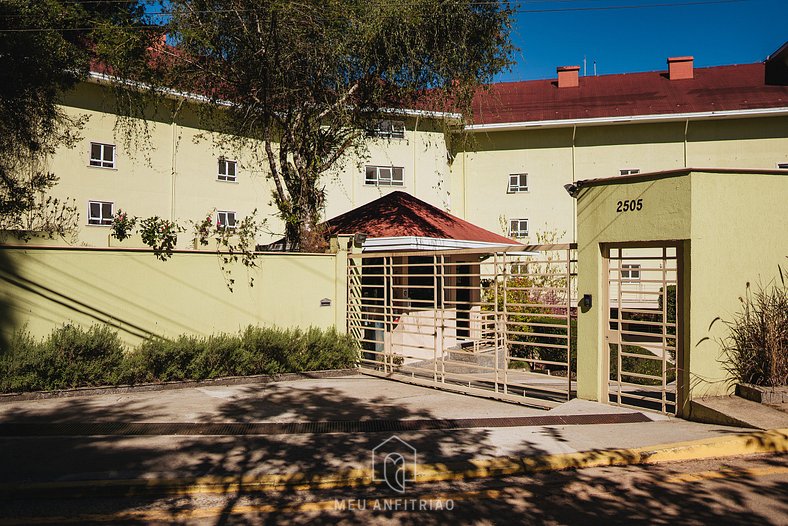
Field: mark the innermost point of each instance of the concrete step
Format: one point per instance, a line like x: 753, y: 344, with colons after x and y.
x: 736, y: 411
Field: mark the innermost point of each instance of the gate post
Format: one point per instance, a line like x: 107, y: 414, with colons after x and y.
x: 592, y: 349
x: 340, y: 246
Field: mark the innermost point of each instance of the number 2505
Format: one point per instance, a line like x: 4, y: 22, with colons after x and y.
x: 629, y: 206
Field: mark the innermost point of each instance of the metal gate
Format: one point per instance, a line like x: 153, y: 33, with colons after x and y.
x: 495, y: 324
x: 642, y: 326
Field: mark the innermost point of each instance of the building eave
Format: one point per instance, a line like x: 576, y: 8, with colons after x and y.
x: 625, y: 119
x: 418, y: 243
x: 103, y: 78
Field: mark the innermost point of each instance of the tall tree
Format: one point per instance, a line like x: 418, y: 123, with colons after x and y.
x: 46, y: 48
x: 308, y: 80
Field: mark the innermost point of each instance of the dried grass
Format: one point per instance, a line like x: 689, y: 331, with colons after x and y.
x: 756, y: 349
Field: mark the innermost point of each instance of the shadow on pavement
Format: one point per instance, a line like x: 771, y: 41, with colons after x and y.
x: 558, y: 497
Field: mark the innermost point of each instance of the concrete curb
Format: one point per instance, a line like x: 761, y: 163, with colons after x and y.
x: 773, y: 441
x: 182, y: 384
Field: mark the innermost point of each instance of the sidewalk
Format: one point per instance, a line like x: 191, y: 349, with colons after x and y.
x: 251, y: 431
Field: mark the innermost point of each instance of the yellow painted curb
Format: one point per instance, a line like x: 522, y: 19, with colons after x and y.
x: 773, y: 441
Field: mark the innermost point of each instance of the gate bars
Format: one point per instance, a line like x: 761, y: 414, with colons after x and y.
x: 496, y: 324
x: 642, y: 326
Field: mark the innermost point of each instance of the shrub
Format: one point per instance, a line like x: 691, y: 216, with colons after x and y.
x: 69, y: 357
x: 73, y: 357
x: 756, y: 349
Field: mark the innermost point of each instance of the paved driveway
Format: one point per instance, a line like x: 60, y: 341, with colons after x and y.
x: 65, y: 442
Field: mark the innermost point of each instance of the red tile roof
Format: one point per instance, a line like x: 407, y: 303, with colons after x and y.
x: 718, y: 88
x: 399, y: 214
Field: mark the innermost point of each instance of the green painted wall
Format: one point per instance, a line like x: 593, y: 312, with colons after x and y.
x: 45, y: 287
x: 665, y: 216
x: 739, y: 235
x: 731, y: 228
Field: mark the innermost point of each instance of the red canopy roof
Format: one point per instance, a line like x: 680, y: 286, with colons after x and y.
x: 718, y: 88
x: 399, y: 214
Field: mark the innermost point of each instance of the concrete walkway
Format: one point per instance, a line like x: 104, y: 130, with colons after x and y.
x: 33, y: 456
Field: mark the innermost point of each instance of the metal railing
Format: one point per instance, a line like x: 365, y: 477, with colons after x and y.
x: 497, y: 324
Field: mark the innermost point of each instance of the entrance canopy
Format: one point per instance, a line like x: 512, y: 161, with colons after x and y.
x: 399, y: 221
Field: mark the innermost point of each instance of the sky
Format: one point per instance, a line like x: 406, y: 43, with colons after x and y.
x: 553, y: 33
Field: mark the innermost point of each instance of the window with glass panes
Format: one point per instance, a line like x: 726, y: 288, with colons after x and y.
x: 102, y: 155
x: 384, y: 176
x: 100, y: 212
x: 225, y: 219
x: 630, y: 272
x: 518, y: 227
x: 228, y: 170
x: 390, y: 129
x: 518, y: 183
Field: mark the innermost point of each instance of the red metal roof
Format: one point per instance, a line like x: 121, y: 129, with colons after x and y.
x: 717, y: 88
x: 399, y: 214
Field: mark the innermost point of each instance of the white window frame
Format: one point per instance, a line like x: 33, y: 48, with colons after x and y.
x: 225, y: 214
x: 384, y: 176
x: 629, y: 171
x: 100, y: 161
x: 225, y: 176
x: 390, y: 129
x: 782, y: 166
x: 516, y: 227
x: 100, y: 220
x: 516, y: 185
x: 630, y: 272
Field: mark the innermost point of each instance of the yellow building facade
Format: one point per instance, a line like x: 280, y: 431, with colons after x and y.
x: 507, y: 174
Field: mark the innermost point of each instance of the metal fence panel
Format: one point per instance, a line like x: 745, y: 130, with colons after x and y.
x: 496, y: 324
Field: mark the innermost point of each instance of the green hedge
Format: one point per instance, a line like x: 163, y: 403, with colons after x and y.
x: 75, y: 357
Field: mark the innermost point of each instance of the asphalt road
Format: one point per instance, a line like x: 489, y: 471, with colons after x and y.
x: 745, y: 490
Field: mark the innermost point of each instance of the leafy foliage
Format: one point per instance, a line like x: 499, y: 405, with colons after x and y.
x: 123, y: 225
x: 232, y: 244
x: 161, y: 235
x: 303, y: 83
x: 75, y: 357
x: 756, y: 348
x: 534, y: 296
x: 45, y: 49
x: 69, y: 357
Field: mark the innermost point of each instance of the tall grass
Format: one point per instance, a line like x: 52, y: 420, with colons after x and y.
x: 756, y: 349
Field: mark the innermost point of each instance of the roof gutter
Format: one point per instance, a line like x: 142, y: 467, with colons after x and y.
x: 600, y: 121
x: 101, y: 78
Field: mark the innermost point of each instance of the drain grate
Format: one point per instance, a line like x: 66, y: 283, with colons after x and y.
x: 293, y: 428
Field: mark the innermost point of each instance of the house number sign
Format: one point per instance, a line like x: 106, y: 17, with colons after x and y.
x: 631, y: 205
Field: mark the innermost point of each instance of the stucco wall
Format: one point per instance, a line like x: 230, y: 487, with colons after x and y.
x: 44, y: 287
x: 665, y: 216
x: 730, y: 231
x: 739, y: 236
x: 170, y: 169
x: 554, y: 157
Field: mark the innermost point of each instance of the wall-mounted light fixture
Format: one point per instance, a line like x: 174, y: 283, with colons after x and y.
x: 359, y: 239
x: 586, y: 303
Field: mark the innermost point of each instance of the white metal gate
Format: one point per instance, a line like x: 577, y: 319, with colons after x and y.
x: 642, y: 326
x: 495, y: 324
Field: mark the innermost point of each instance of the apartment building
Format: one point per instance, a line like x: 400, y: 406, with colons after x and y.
x: 527, y: 140
x: 532, y: 138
